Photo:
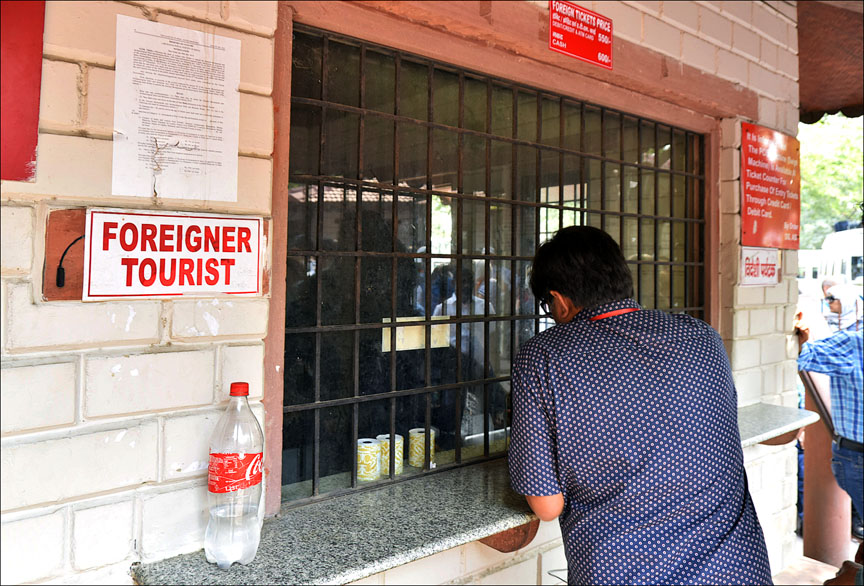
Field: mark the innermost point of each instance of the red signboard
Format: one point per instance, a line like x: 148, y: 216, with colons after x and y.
x: 770, y: 188
x: 21, y: 72
x: 580, y: 33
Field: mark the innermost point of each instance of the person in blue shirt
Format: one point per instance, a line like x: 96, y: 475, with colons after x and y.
x: 625, y: 429
x: 841, y: 356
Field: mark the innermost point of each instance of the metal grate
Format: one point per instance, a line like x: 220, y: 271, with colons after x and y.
x: 419, y: 193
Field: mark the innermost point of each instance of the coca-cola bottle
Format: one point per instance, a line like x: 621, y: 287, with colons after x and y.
x: 234, y: 483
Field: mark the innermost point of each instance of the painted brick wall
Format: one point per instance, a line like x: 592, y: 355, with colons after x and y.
x: 107, y: 408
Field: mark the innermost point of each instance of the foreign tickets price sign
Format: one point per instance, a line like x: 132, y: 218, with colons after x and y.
x: 160, y: 254
x: 580, y: 33
x: 770, y: 188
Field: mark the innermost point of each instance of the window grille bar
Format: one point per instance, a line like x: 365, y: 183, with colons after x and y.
x: 546, y: 158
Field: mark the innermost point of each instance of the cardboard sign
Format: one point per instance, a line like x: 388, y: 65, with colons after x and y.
x: 759, y: 266
x: 158, y: 254
x: 770, y: 188
x: 580, y: 33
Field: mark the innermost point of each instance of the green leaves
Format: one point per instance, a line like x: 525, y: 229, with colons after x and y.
x: 832, y: 165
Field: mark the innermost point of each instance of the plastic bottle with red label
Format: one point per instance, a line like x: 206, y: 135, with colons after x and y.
x: 234, y: 483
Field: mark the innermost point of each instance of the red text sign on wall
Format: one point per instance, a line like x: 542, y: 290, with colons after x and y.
x: 149, y: 254
x: 770, y: 188
x: 580, y: 33
x: 759, y: 266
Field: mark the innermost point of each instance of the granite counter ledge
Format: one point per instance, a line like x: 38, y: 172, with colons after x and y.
x: 762, y: 421
x: 351, y: 537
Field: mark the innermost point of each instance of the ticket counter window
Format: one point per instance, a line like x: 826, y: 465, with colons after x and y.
x: 419, y: 193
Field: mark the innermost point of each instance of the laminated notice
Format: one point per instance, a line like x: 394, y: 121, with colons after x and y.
x: 230, y: 472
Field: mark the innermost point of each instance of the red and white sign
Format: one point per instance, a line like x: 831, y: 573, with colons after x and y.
x: 770, y: 188
x: 150, y: 254
x: 580, y: 33
x: 760, y: 266
x: 230, y: 472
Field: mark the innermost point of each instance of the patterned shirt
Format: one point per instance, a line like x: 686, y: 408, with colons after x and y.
x: 842, y: 357
x: 633, y: 418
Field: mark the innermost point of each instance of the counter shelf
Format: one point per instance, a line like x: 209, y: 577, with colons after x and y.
x: 354, y: 536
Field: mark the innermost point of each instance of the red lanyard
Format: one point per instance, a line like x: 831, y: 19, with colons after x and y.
x: 613, y: 313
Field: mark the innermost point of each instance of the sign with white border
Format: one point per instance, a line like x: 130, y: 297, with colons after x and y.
x: 146, y: 254
x: 759, y: 266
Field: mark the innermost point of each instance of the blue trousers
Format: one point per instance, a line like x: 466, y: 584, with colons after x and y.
x: 848, y: 468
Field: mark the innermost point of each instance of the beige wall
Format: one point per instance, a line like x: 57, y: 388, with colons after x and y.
x: 105, y: 479
x: 108, y: 407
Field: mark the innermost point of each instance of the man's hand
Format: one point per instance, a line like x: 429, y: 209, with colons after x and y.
x: 802, y: 330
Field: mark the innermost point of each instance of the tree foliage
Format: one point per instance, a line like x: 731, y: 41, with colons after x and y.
x: 832, y: 189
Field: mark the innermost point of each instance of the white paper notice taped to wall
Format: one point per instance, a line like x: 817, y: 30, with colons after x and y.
x: 161, y: 254
x: 176, y: 112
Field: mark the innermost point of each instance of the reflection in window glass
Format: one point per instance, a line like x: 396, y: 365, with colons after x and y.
x: 410, y: 242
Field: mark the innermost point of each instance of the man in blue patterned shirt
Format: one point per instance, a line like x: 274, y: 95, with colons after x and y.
x: 842, y: 357
x: 625, y: 429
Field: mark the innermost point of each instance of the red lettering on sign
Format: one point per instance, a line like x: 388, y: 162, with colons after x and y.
x: 193, y: 244
x: 243, y: 236
x: 107, y: 234
x: 163, y: 278
x: 227, y: 263
x: 148, y: 237
x: 129, y: 263
x: 212, y: 271
x: 127, y: 244
x: 165, y: 238
x: 186, y: 266
x: 147, y: 281
x: 211, y: 237
x: 228, y: 239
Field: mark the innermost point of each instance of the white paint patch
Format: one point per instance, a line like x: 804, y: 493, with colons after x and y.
x: 131, y: 317
x: 116, y: 368
x: 212, y: 323
x: 194, y: 466
x: 113, y: 318
x: 120, y: 435
x: 134, y: 372
x: 277, y: 368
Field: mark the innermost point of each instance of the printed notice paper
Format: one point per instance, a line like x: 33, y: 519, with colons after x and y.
x: 176, y: 112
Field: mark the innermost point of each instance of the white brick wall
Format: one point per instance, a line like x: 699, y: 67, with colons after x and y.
x: 102, y: 535
x: 32, y: 548
x: 16, y: 246
x: 54, y: 470
x: 40, y: 396
x: 93, y: 435
x: 173, y: 522
x: 148, y: 382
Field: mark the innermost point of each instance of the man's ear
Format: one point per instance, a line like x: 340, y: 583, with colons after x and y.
x: 564, y: 308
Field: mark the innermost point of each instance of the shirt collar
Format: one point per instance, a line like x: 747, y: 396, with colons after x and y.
x: 589, y: 312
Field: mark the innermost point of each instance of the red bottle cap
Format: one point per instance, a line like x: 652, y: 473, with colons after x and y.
x: 239, y: 389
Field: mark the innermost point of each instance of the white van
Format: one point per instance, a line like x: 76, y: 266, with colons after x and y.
x: 843, y: 255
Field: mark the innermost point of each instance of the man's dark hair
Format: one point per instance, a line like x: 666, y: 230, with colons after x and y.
x: 584, y: 264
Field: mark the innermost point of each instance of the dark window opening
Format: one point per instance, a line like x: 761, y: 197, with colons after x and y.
x: 418, y: 196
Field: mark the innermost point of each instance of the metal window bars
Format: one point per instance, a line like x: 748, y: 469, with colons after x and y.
x: 411, y: 177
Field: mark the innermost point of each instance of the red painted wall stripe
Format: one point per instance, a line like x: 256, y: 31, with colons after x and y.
x: 22, y: 24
